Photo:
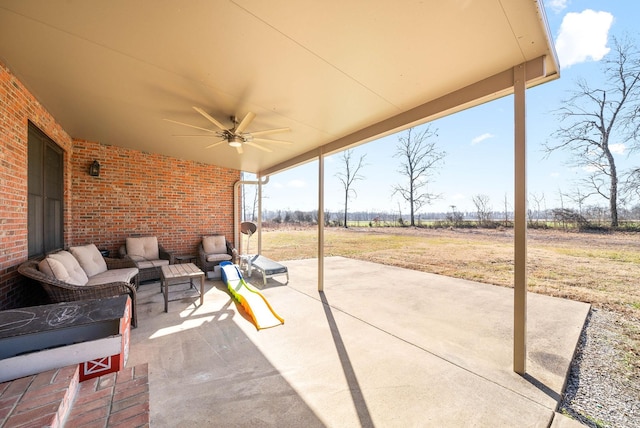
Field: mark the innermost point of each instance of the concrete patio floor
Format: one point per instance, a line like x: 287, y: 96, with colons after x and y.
x: 381, y: 346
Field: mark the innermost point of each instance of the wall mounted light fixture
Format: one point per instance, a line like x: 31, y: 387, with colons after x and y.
x: 94, y: 169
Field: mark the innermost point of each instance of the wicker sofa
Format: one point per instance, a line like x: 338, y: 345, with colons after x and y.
x: 80, y: 274
x: 147, y: 254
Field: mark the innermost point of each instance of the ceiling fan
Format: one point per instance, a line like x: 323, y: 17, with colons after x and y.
x: 236, y: 135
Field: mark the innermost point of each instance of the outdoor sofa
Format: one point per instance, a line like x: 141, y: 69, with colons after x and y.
x: 82, y: 273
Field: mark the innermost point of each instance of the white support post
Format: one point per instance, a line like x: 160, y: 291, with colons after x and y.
x: 520, y: 225
x: 260, y: 216
x: 321, y: 221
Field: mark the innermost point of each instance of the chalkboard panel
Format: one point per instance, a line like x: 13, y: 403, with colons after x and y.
x: 37, y: 328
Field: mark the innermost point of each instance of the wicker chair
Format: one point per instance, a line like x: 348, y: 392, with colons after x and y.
x: 211, y: 257
x: 149, y: 268
x: 59, y: 291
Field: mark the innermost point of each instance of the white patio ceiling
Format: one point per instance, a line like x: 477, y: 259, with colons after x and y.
x: 338, y: 73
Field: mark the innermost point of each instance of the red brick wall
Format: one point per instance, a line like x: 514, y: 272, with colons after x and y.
x: 17, y: 108
x: 148, y: 194
x: 136, y: 193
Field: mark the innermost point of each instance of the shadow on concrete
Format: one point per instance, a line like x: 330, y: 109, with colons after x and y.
x: 359, y: 401
x: 542, y: 387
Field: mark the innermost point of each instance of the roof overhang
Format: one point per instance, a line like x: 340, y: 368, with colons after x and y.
x: 336, y: 73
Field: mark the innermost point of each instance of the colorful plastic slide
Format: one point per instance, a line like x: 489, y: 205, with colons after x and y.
x: 249, y: 297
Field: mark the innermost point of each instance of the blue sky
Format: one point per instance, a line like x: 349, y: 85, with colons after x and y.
x: 479, y: 141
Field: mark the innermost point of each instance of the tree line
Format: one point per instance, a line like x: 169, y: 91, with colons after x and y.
x: 589, y: 218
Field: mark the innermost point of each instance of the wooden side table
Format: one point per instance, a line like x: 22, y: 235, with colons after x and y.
x: 178, y: 273
x: 186, y: 258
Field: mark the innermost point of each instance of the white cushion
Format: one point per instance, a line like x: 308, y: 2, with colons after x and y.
x: 151, y: 263
x: 143, y: 248
x: 52, y: 267
x: 113, y: 275
x: 77, y: 275
x: 214, y: 244
x: 218, y: 257
x: 90, y: 259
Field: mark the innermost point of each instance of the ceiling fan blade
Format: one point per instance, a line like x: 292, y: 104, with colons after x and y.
x: 263, y: 140
x: 245, y: 122
x: 215, y: 144
x: 240, y: 150
x: 257, y: 146
x: 191, y: 126
x: 271, y: 131
x: 210, y: 118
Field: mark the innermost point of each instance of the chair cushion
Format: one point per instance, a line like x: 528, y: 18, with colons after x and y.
x: 90, y: 259
x: 113, y: 275
x: 77, y: 275
x: 215, y: 244
x: 146, y: 264
x: 143, y: 248
x: 218, y: 257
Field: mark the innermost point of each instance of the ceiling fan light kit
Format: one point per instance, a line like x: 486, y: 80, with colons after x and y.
x: 235, y: 141
x: 235, y: 136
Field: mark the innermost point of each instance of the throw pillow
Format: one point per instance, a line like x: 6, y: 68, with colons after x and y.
x: 53, y: 267
x: 77, y: 275
x: 90, y: 259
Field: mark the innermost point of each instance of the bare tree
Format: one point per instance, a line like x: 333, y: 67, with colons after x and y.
x: 506, y: 210
x: 578, y: 197
x: 400, y: 220
x: 538, y: 200
x: 419, y: 159
x: 632, y: 185
x: 595, y: 121
x: 483, y: 208
x: 456, y: 217
x: 348, y: 176
x: 561, y: 199
x: 249, y: 200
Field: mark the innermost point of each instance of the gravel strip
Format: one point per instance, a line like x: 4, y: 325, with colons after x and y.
x: 602, y: 390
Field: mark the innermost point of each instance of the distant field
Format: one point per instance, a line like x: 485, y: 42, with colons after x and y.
x: 601, y: 269
x: 624, y: 225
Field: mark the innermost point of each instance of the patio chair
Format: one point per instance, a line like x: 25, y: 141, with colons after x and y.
x: 214, y: 249
x: 148, y: 255
x: 265, y: 266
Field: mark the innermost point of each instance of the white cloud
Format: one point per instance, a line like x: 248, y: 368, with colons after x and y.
x: 554, y: 175
x: 617, y: 148
x: 481, y: 138
x: 458, y: 197
x: 558, y: 5
x: 583, y: 37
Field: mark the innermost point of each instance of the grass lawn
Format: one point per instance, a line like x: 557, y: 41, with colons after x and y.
x: 601, y: 269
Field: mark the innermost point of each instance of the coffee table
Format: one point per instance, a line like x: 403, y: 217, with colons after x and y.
x: 178, y: 274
